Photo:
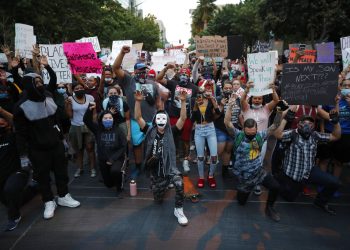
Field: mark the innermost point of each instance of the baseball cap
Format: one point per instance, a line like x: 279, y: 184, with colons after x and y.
x: 185, y: 71
x: 152, y: 73
x: 307, y: 118
x: 140, y: 66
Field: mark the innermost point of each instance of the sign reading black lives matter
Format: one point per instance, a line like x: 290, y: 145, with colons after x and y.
x: 310, y: 83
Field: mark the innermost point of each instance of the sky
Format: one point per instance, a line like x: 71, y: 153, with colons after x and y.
x: 175, y: 16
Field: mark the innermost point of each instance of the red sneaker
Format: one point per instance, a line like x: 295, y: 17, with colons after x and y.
x: 212, y: 182
x: 200, y: 183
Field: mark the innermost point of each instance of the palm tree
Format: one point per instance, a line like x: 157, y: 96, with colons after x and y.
x: 202, y: 15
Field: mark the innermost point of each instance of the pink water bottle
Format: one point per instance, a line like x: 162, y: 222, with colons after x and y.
x: 133, y: 188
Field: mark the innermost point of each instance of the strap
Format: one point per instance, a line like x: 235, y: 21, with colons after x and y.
x: 238, y: 140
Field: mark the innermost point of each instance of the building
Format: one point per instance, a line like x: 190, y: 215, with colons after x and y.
x: 162, y: 31
x: 124, y: 3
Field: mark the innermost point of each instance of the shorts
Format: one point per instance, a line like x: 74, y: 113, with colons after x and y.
x: 137, y: 136
x: 222, y: 136
x: 79, y: 137
x: 338, y: 150
x: 186, y: 130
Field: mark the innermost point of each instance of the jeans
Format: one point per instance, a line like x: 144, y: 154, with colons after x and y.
x: 206, y: 132
x: 290, y: 188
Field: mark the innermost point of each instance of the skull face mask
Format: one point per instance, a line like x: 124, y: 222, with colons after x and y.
x: 161, y: 120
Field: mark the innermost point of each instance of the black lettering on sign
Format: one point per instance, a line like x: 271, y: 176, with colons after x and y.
x: 310, y: 83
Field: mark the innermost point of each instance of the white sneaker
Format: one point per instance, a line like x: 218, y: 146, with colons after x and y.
x: 93, y: 173
x: 186, y: 165
x: 67, y: 201
x: 181, y: 218
x: 49, y: 211
x: 193, y: 147
x: 78, y: 173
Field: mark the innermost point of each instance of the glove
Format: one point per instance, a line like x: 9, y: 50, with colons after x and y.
x: 149, y: 99
x: 25, y: 163
x: 334, y: 118
x: 290, y: 116
x: 152, y: 162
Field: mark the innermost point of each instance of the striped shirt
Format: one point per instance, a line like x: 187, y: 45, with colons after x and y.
x: 300, y: 155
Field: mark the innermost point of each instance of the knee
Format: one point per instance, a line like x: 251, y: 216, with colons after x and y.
x: 214, y: 159
x: 201, y: 158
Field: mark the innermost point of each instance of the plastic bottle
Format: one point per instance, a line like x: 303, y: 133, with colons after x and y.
x: 133, y: 188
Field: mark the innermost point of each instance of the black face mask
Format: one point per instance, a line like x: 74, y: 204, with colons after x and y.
x: 227, y: 94
x: 79, y: 93
x: 250, y: 137
x: 305, y: 131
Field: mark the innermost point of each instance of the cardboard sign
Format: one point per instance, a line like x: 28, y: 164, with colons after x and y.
x: 160, y: 61
x: 58, y: 62
x: 235, y: 47
x: 310, y: 83
x: 93, y: 40
x: 82, y: 58
x: 345, y: 44
x: 325, y: 52
x: 261, y: 70
x: 308, y: 57
x: 116, y: 48
x: 24, y: 40
x: 211, y: 46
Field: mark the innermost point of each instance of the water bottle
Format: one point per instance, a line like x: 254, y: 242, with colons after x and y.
x: 133, y: 188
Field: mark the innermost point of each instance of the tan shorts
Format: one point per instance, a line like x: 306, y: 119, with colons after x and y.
x: 80, y: 136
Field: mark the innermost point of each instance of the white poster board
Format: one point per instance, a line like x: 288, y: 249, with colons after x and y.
x: 58, y: 62
x: 345, y: 44
x: 3, y: 58
x: 116, y: 47
x: 160, y: 61
x: 24, y: 40
x: 93, y: 40
x: 261, y: 70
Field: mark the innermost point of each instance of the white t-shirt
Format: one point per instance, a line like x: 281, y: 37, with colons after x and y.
x: 79, y: 110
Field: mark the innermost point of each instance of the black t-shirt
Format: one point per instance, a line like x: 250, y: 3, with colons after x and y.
x: 9, y: 158
x: 118, y: 117
x: 219, y: 122
x: 175, y: 88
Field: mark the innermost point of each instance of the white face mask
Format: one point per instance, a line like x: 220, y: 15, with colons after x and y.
x: 170, y: 74
x: 161, y: 120
x: 108, y: 79
x: 254, y: 106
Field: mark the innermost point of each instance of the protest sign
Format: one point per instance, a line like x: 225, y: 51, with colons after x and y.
x: 179, y: 55
x: 260, y: 46
x: 235, y: 47
x: 24, y: 40
x: 82, y: 58
x: 160, y: 61
x: 3, y: 58
x: 58, y: 62
x: 308, y: 57
x: 310, y: 83
x: 261, y: 70
x: 138, y: 46
x: 345, y: 44
x: 278, y: 45
x: 325, y: 52
x: 211, y: 46
x: 116, y: 47
x: 93, y: 40
x: 130, y: 59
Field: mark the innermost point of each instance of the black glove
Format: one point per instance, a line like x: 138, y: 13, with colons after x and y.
x: 334, y: 118
x: 290, y: 116
x: 152, y: 162
x: 149, y: 99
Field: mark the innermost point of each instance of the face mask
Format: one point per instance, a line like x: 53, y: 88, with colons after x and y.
x: 2, y: 130
x: 254, y: 106
x: 108, y: 79
x: 170, y: 74
x: 250, y: 137
x: 227, y: 93
x: 161, y: 120
x: 4, y: 95
x: 345, y: 92
x: 140, y: 77
x: 183, y: 79
x: 305, y: 131
x: 107, y: 123
x: 61, y: 91
x: 79, y: 93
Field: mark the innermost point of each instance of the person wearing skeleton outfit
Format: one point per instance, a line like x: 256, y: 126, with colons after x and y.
x: 160, y: 154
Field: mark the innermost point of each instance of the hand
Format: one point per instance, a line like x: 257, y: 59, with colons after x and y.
x: 232, y: 100
x: 272, y: 86
x: 113, y: 110
x: 15, y: 62
x: 92, y: 105
x: 199, y: 100
x: 125, y: 49
x: 68, y: 101
x: 249, y: 85
x: 183, y: 95
x: 337, y: 98
x: 223, y: 101
x: 201, y: 59
x: 36, y: 50
x: 6, y: 49
x: 170, y: 66
x: 138, y: 96
x: 44, y: 61
x: 333, y: 116
x: 290, y: 116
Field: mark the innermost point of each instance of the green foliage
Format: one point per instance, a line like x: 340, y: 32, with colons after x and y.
x: 67, y: 21
x: 202, y: 15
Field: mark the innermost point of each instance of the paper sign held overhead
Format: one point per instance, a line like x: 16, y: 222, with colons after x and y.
x: 116, y: 47
x: 325, y: 52
x: 308, y: 57
x: 310, y: 83
x: 345, y: 44
x: 58, y: 62
x: 211, y: 46
x: 93, y: 40
x: 24, y: 40
x: 261, y: 70
x: 82, y: 58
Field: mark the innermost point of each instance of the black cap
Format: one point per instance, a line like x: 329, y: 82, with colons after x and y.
x: 307, y: 118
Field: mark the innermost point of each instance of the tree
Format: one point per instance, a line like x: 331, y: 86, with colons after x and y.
x: 202, y: 15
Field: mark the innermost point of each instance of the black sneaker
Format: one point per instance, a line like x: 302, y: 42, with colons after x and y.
x: 272, y: 213
x: 12, y: 224
x: 325, y: 208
